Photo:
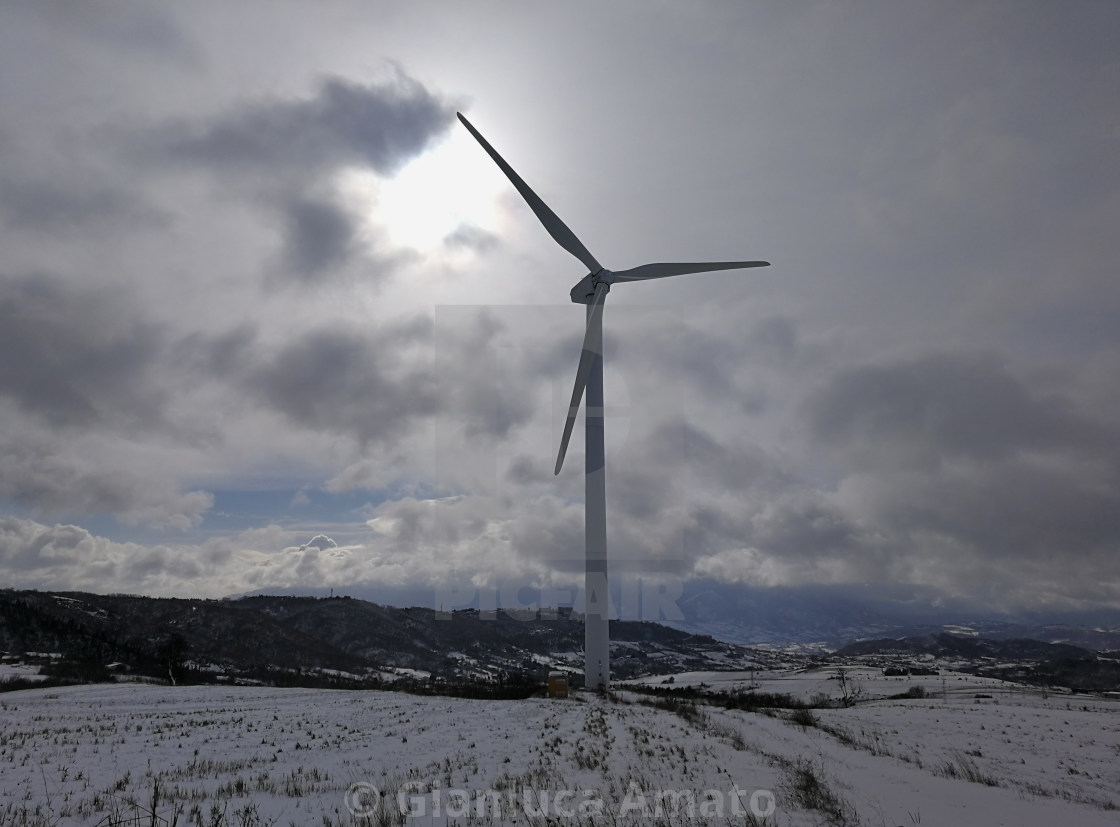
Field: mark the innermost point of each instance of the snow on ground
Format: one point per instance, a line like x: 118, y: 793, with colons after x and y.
x: 19, y: 671
x: 248, y: 755
x: 862, y: 681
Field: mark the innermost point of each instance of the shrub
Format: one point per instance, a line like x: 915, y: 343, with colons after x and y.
x: 803, y: 717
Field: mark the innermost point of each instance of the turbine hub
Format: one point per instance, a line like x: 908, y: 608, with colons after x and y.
x: 584, y: 291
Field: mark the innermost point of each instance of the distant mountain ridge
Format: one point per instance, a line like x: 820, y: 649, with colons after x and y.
x: 950, y: 645
x: 1023, y: 661
x: 827, y: 618
x: 341, y: 636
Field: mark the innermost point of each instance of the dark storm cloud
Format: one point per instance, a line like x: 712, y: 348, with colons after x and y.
x: 349, y: 382
x: 1016, y: 509
x: 640, y: 495
x: 726, y: 464
x: 959, y: 465
x: 743, y: 496
x: 64, y: 204
x: 939, y: 407
x: 78, y: 356
x: 217, y: 355
x: 344, y: 123
x: 43, y: 475
x: 773, y: 338
x: 83, y: 370
x: 373, y: 384
x: 526, y: 470
x: 803, y: 525
x: 728, y: 364
x: 281, y: 153
x: 551, y: 531
x: 712, y: 529
x: 488, y: 388
x: 685, y: 478
x: 684, y: 494
x: 318, y: 236
x: 142, y: 29
x: 705, y: 359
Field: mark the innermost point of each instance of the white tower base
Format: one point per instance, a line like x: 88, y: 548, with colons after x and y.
x: 596, y: 635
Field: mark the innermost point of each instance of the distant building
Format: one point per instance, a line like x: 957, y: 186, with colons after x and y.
x: 557, y: 684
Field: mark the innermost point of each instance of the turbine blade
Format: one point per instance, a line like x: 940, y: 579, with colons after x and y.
x: 556, y: 228
x: 586, y: 357
x: 661, y: 270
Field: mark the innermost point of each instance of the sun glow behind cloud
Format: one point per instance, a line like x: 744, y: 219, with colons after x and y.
x: 446, y: 188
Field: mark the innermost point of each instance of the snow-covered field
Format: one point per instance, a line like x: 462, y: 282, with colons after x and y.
x: 866, y: 683
x: 19, y: 672
x: 116, y: 754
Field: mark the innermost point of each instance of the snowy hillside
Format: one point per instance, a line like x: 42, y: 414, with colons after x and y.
x: 309, y: 641
x: 976, y: 752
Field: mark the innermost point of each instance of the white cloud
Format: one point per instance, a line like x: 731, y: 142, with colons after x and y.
x: 319, y: 541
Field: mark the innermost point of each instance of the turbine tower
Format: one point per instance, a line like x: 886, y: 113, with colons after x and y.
x: 592, y: 291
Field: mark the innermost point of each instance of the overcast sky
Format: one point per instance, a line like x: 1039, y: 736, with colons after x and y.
x: 270, y: 318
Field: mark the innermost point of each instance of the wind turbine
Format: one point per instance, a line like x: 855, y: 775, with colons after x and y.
x: 592, y: 291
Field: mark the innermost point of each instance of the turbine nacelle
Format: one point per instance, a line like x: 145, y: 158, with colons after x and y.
x: 584, y: 291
